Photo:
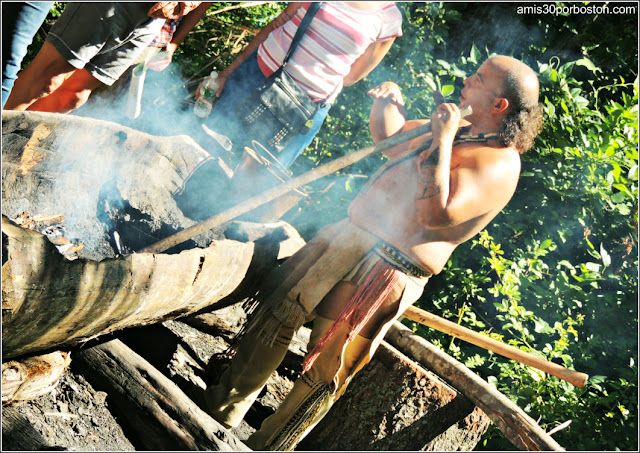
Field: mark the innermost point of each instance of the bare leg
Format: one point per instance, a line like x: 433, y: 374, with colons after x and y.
x: 43, y: 76
x: 73, y: 93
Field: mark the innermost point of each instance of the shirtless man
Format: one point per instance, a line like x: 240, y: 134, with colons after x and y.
x: 358, y: 275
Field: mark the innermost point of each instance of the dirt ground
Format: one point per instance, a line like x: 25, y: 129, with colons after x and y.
x: 73, y: 417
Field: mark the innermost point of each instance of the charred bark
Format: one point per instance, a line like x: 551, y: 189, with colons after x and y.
x: 153, y: 407
x: 394, y: 404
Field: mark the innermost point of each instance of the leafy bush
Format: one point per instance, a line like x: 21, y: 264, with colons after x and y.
x: 556, y: 273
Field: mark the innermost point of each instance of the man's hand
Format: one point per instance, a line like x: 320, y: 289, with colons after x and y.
x: 171, y: 10
x: 390, y: 92
x: 161, y: 61
x: 445, y: 122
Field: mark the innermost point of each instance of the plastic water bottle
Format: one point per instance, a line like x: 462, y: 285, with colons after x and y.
x: 207, y: 97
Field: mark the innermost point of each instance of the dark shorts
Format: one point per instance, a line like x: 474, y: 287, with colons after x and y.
x: 104, y: 38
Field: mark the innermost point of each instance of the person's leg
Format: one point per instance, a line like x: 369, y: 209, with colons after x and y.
x: 239, y: 386
x: 73, y: 93
x: 20, y: 23
x: 290, y: 153
x: 103, y: 38
x: 43, y: 76
x: 315, y: 392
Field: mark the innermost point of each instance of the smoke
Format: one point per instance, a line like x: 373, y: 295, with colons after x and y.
x: 167, y: 109
x: 108, y: 178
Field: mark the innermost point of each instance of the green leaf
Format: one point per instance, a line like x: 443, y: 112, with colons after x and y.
x: 474, y: 55
x: 545, y: 244
x: 542, y: 326
x: 447, y: 90
x: 606, y: 258
x: 588, y: 64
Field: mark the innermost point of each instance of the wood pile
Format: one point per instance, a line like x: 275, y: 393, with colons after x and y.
x: 147, y: 330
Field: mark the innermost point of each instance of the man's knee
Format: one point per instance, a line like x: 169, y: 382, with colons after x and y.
x: 72, y: 94
x: 49, y: 84
x: 76, y: 99
x: 45, y: 74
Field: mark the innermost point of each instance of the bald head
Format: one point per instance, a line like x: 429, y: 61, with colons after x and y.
x: 524, y: 116
x: 520, y: 85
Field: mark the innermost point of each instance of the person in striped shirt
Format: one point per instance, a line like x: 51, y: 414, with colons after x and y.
x: 345, y: 41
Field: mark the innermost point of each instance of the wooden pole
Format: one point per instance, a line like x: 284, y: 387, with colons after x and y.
x: 284, y: 188
x: 442, y: 325
x: 156, y: 410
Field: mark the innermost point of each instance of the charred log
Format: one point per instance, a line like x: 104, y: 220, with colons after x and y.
x: 161, y: 415
x: 395, y: 404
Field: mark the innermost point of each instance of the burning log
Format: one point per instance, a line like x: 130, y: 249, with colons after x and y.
x: 32, y: 377
x: 160, y: 414
x: 55, y: 302
x: 113, y: 186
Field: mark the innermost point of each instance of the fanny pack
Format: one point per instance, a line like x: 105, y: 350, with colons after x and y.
x: 282, y: 95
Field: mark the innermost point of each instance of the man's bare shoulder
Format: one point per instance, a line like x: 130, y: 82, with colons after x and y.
x: 497, y: 166
x: 486, y: 157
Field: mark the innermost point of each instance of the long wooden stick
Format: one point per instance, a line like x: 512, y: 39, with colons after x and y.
x: 435, y: 322
x: 277, y: 191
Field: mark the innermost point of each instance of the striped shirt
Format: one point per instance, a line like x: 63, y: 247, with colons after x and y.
x: 336, y: 37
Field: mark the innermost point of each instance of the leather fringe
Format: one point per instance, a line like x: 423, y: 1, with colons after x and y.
x: 265, y: 321
x: 365, y: 302
x: 269, y: 320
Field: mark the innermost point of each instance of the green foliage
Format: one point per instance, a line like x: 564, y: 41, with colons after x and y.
x: 223, y: 32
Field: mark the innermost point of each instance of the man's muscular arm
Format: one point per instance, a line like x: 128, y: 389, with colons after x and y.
x: 387, y: 116
x: 482, y: 182
x: 434, y: 166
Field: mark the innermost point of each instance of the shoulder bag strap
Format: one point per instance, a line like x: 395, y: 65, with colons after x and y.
x: 313, y: 8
